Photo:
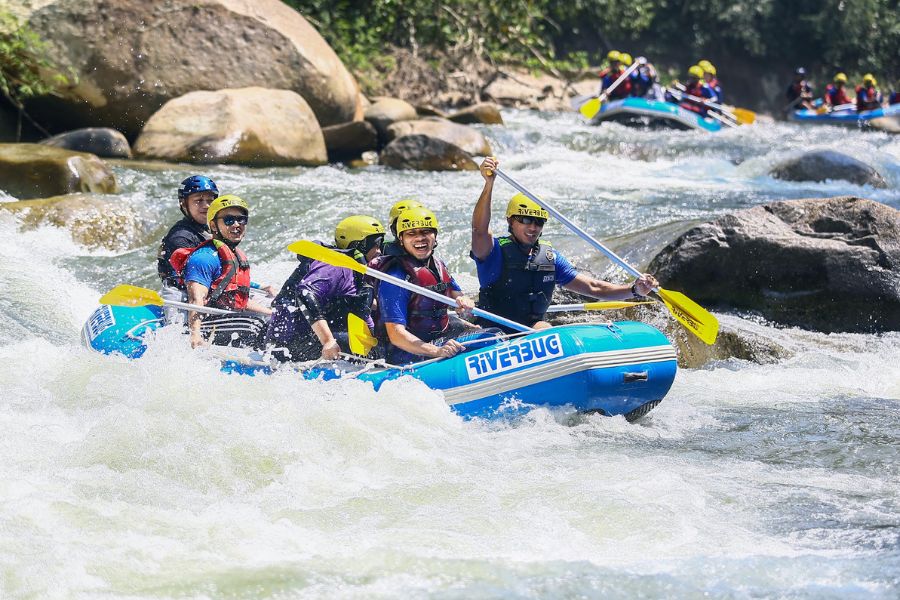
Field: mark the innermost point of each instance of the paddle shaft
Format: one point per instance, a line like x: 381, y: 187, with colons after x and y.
x: 732, y: 120
x: 605, y: 93
x: 443, y: 299
x: 575, y: 228
x: 199, y: 309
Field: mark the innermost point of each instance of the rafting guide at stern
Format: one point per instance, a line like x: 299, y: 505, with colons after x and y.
x: 519, y: 272
x: 216, y: 274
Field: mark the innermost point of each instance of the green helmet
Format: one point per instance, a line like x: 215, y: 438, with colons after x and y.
x: 398, y: 208
x: 416, y: 218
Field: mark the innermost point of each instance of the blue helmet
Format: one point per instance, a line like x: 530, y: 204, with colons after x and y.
x: 196, y: 183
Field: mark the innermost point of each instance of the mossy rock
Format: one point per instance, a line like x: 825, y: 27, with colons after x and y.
x: 37, y: 171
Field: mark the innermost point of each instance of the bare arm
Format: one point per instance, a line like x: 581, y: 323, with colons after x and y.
x: 330, y: 348
x: 597, y: 288
x: 403, y: 339
x: 258, y: 308
x: 197, y: 293
x: 482, y: 238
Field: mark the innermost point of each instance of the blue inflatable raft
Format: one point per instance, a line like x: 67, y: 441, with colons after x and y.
x: 887, y: 119
x: 623, y: 368
x: 641, y: 112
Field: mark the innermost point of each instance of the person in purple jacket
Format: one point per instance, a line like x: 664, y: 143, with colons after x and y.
x: 309, y: 318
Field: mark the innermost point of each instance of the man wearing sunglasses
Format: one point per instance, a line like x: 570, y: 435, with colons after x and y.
x: 519, y: 272
x: 217, y: 274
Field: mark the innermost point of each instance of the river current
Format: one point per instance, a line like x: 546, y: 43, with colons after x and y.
x: 164, y: 478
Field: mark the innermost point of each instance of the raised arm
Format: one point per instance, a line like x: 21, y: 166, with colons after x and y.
x: 482, y: 238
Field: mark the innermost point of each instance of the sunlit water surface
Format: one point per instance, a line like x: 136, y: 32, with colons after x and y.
x: 164, y: 478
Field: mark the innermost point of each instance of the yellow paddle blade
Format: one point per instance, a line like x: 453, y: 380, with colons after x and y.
x: 690, y: 314
x: 325, y: 255
x: 131, y: 295
x: 361, y: 339
x: 744, y: 116
x: 612, y: 305
x: 590, y: 108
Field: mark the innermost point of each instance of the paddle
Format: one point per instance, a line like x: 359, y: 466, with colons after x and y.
x: 326, y: 255
x: 361, y: 339
x: 826, y: 109
x: 687, y: 312
x: 607, y: 305
x: 131, y: 295
x: 741, y: 115
x: 590, y: 108
x: 723, y: 117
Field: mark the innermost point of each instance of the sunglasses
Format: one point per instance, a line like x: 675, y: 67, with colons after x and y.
x: 530, y: 220
x: 235, y: 219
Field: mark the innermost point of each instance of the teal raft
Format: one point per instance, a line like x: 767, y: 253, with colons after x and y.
x: 886, y: 119
x: 642, y: 112
x: 623, y: 368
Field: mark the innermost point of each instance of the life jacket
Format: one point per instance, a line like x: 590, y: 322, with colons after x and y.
x: 335, y: 312
x: 836, y: 96
x: 524, y: 289
x: 231, y: 289
x: 694, y: 89
x: 623, y: 90
x: 867, y: 98
x: 427, y: 319
x: 184, y: 233
x: 716, y: 88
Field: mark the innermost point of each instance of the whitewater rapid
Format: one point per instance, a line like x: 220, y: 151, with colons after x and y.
x: 164, y: 478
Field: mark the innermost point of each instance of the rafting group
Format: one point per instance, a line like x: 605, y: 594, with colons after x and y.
x: 206, y: 280
x: 630, y: 92
x: 800, y: 94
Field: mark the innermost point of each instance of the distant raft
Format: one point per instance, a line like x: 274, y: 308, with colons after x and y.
x: 883, y: 119
x: 641, y: 112
x: 623, y: 368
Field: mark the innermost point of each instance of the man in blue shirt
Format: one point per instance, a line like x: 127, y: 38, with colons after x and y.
x: 519, y: 272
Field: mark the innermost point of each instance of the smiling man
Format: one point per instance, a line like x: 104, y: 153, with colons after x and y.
x: 518, y: 272
x: 217, y: 274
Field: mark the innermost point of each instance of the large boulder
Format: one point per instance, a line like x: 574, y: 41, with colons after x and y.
x: 822, y: 264
x: 520, y: 88
x: 821, y: 165
x: 249, y: 126
x: 102, y: 141
x: 131, y: 56
x: 423, y: 153
x: 386, y: 111
x: 93, y: 221
x: 470, y: 140
x: 348, y: 141
x: 38, y: 171
x: 484, y: 112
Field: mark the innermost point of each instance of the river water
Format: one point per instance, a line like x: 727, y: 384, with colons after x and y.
x: 163, y: 478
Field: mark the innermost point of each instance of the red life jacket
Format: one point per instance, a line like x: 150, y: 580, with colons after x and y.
x: 427, y: 319
x: 867, y: 99
x: 231, y: 289
x: 694, y: 89
x: 836, y: 96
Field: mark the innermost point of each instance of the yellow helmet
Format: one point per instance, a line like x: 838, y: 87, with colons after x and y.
x: 840, y: 78
x: 869, y: 78
x: 626, y: 59
x: 223, y: 202
x: 614, y: 56
x: 416, y: 218
x: 696, y: 71
x: 398, y: 208
x: 707, y: 67
x: 356, y: 229
x: 521, y: 205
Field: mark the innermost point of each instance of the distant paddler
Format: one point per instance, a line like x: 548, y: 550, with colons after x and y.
x: 519, y: 271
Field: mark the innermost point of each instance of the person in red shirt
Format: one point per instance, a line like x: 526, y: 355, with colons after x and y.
x: 835, y: 94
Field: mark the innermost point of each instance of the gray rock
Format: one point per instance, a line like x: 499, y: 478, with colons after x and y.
x: 37, y: 171
x: 349, y: 140
x: 469, y: 139
x: 821, y: 264
x: 424, y: 153
x: 102, y: 141
x: 828, y: 164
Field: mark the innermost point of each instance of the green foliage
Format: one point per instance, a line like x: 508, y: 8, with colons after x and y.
x: 853, y: 35
x: 24, y: 64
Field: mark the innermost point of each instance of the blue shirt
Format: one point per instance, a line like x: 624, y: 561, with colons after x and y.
x: 393, y: 301
x: 490, y: 268
x: 203, y: 266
